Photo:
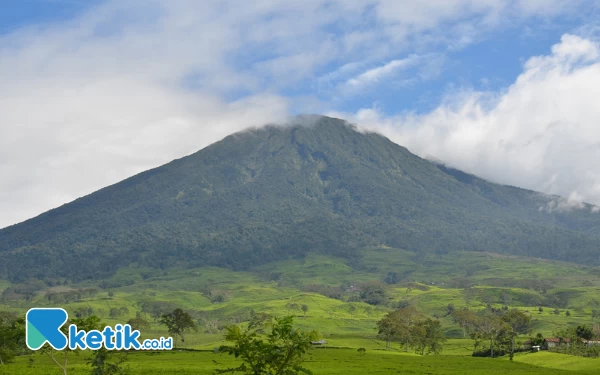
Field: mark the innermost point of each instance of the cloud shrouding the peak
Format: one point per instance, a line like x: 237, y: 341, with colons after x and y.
x: 542, y: 133
x: 130, y: 84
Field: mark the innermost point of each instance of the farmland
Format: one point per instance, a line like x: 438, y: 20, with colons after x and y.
x: 218, y: 297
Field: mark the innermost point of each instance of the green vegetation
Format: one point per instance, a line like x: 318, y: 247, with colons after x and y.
x: 280, y: 192
x: 408, y: 326
x: 329, y: 362
x: 178, y: 322
x: 281, y: 351
x: 12, y: 335
x: 333, y: 295
x: 500, y: 327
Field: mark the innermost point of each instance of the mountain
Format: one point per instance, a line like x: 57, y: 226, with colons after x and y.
x: 279, y: 192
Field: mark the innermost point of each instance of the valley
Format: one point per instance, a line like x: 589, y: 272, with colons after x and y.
x: 331, y: 290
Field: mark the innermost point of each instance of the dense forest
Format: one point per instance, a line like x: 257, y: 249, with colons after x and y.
x: 281, y: 191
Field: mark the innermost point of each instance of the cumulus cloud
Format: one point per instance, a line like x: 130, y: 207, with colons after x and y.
x: 540, y: 133
x: 131, y: 84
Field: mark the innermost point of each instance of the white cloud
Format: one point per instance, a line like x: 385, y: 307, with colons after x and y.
x: 375, y: 75
x: 542, y: 133
x: 560, y: 204
x: 132, y: 84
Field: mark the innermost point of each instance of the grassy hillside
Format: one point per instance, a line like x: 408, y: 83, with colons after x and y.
x: 328, y: 286
x: 280, y: 192
x: 216, y: 297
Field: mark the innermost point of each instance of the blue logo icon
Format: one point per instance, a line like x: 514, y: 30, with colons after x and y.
x: 43, y: 326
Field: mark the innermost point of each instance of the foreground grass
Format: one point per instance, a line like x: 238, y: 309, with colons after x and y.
x: 329, y: 361
x: 560, y: 361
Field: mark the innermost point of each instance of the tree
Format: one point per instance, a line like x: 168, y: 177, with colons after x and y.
x: 279, y: 351
x: 428, y: 335
x: 488, y: 327
x: 178, y: 322
x: 86, y: 324
x: 538, y: 340
x: 12, y: 336
x: 519, y: 323
x: 392, y: 278
x: 584, y: 332
x: 386, y: 329
x: 541, y: 309
x: 104, y: 361
x: 304, y: 309
x: 138, y: 323
x: 374, y: 293
x: 466, y: 319
x: 107, y: 362
x: 397, y: 326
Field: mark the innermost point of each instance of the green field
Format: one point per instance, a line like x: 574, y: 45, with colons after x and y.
x: 331, y: 361
x: 429, y: 284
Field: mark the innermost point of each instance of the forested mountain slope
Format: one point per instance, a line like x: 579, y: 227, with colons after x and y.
x: 281, y: 191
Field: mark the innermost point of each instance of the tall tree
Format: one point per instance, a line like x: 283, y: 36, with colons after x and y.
x: 178, y: 322
x: 428, y: 335
x: 386, y: 329
x: 466, y: 319
x: 488, y: 327
x: 397, y: 326
x: 519, y: 323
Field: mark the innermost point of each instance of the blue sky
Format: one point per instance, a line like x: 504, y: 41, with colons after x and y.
x: 95, y: 91
x: 22, y: 13
x: 490, y: 61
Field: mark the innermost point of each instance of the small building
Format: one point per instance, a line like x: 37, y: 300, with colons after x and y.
x: 553, y: 342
